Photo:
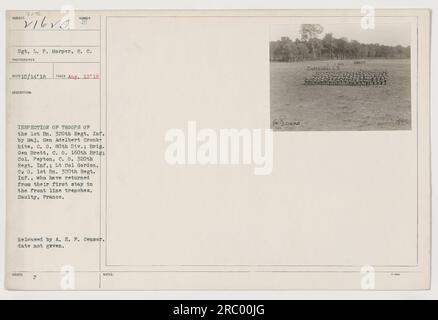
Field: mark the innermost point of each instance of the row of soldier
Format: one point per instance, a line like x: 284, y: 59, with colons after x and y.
x: 348, y: 78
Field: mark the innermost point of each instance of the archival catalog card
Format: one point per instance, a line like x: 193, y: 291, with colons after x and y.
x: 231, y: 150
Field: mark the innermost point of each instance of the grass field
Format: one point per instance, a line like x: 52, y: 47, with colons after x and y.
x: 297, y: 107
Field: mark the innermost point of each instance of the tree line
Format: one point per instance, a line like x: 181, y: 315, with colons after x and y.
x: 312, y: 47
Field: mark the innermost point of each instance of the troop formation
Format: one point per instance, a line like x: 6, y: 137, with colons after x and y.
x: 348, y: 78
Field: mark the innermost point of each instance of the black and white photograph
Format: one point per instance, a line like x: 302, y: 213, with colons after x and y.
x: 340, y: 77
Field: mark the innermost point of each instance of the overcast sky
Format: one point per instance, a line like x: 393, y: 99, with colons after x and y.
x: 384, y: 33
